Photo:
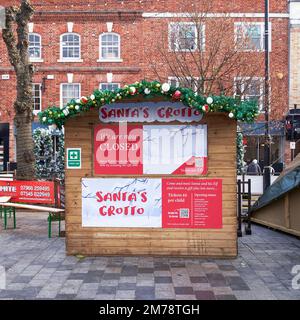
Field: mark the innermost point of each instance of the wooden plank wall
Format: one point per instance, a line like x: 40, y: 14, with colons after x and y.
x: 145, y: 241
x: 282, y: 213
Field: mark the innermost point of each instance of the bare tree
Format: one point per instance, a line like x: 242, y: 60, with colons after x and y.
x: 202, y: 50
x: 15, y: 36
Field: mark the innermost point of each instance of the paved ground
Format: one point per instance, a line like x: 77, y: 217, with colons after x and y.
x: 37, y: 268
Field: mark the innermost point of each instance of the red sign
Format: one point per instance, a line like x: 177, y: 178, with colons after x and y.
x: 123, y: 149
x: 28, y: 191
x: 118, y: 149
x: 192, y: 203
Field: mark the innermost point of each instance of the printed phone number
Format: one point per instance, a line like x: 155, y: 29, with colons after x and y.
x: 34, y: 188
x: 35, y: 194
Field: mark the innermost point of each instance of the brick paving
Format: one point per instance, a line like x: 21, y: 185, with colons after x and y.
x: 37, y: 268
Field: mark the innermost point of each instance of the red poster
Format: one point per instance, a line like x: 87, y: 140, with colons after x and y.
x: 127, y: 149
x: 118, y: 149
x: 192, y: 203
x: 28, y: 191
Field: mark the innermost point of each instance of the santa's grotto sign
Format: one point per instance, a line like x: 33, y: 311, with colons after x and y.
x: 152, y: 203
x: 149, y: 112
x: 138, y: 149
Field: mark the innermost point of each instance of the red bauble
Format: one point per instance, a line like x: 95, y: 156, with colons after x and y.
x: 84, y: 100
x: 176, y: 95
x: 205, y: 108
x: 132, y: 91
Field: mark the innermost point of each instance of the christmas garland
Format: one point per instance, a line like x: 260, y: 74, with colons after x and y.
x: 240, y: 150
x: 240, y: 110
x: 48, y: 165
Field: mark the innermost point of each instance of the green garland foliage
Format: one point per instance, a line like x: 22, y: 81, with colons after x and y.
x: 49, y: 163
x: 245, y: 111
x: 240, y: 150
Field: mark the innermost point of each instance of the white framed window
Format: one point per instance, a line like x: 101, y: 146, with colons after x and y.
x: 185, y: 36
x: 110, y: 47
x: 109, y: 86
x: 69, y: 91
x: 37, y: 97
x: 70, y: 47
x: 35, y: 47
x: 251, y: 89
x: 251, y: 36
x: 186, y: 82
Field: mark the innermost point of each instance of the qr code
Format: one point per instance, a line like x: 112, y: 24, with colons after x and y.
x: 184, y: 213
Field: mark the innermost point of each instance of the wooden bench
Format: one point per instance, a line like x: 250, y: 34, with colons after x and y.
x: 54, y: 213
x: 6, y: 176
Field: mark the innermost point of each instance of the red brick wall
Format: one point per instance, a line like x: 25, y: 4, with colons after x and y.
x: 155, y: 5
x: 138, y: 37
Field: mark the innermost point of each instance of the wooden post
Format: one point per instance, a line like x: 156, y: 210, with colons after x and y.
x: 14, y: 216
x: 49, y: 225
x: 5, y: 218
x: 287, y: 211
x: 239, y: 230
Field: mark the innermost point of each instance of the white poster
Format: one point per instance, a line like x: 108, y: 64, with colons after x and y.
x: 176, y: 149
x: 121, y: 203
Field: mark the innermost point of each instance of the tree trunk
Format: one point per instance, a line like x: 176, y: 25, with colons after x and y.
x: 24, y: 146
x: 23, y: 123
x: 16, y: 24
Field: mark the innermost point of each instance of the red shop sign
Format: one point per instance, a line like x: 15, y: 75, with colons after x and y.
x: 28, y: 191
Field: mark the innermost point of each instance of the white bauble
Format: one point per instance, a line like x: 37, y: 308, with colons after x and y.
x: 165, y: 87
x: 53, y: 126
x: 209, y: 100
x: 132, y: 90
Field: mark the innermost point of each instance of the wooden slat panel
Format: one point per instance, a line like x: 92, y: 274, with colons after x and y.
x: 89, y: 248
x: 77, y: 219
x: 77, y: 232
x: 158, y: 243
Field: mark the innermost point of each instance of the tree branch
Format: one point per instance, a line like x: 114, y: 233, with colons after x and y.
x: 23, y: 16
x: 9, y: 37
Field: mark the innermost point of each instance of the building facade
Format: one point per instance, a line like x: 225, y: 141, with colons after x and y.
x: 77, y: 47
x: 293, y: 119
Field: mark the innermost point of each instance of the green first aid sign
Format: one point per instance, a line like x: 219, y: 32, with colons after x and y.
x: 73, y: 158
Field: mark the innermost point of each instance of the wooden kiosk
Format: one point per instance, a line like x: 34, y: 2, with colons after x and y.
x: 150, y: 170
x: 278, y: 207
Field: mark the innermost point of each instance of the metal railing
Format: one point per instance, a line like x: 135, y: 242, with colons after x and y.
x: 243, y: 215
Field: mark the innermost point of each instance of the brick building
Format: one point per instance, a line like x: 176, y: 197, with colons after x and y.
x: 294, y: 101
x: 78, y: 46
